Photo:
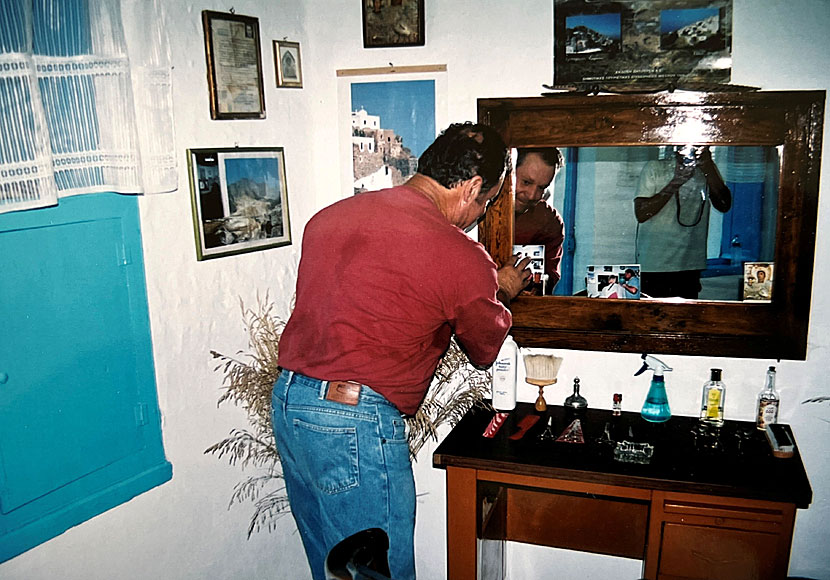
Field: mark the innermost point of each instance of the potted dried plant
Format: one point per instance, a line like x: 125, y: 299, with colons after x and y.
x: 248, y: 380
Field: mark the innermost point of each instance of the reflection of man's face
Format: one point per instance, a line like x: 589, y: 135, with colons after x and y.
x: 761, y: 276
x: 533, y: 177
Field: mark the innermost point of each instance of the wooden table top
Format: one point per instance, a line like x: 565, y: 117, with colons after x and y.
x: 735, y: 461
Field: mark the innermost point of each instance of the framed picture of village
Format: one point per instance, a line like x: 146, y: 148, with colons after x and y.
x: 387, y: 117
x: 239, y: 200
x: 637, y: 42
x: 392, y: 122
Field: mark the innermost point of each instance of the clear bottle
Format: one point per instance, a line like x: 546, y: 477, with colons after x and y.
x: 768, y: 401
x: 714, y: 396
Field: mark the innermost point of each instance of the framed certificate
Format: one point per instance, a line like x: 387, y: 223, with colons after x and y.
x: 234, y: 66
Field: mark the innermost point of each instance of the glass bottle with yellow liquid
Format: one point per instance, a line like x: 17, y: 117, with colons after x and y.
x: 714, y: 397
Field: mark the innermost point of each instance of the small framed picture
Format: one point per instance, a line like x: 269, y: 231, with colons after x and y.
x: 539, y: 280
x: 239, y: 200
x: 618, y: 281
x: 234, y: 66
x: 758, y: 281
x: 289, y: 67
x: 389, y: 23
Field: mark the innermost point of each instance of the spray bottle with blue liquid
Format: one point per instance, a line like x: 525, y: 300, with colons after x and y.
x: 656, y: 408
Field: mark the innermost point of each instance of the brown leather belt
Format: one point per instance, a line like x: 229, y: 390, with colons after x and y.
x: 346, y: 392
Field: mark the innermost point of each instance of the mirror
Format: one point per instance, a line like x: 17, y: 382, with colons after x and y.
x: 585, y: 217
x: 753, y: 253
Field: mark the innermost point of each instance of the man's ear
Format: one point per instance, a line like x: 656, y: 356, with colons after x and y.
x: 471, y: 189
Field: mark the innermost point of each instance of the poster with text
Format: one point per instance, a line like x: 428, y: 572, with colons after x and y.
x: 602, y: 42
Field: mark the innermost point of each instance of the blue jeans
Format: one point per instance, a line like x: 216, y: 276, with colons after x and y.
x: 346, y: 469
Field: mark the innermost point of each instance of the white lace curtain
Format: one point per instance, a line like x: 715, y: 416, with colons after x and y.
x: 82, y: 110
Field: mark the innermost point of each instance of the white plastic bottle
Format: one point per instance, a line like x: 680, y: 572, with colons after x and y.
x: 504, y: 376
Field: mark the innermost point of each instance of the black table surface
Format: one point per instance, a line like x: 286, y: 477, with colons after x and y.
x: 734, y: 460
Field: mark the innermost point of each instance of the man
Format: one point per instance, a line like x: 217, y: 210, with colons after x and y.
x: 612, y: 288
x: 671, y: 237
x: 630, y: 284
x: 764, y: 285
x: 385, y: 279
x: 536, y: 222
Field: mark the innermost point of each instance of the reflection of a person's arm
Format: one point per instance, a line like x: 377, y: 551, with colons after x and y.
x: 647, y: 206
x: 718, y: 191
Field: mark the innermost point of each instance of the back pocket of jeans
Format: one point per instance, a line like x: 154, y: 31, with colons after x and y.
x: 330, y: 455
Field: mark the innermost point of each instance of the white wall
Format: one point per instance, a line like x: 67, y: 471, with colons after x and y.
x: 183, y: 529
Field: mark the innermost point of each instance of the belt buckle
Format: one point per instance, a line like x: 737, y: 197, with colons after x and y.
x: 346, y: 392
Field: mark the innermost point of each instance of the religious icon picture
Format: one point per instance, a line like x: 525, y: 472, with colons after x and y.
x: 287, y: 61
x: 758, y: 281
x: 391, y: 23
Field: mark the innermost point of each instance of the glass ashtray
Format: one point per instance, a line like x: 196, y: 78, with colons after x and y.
x: 632, y: 452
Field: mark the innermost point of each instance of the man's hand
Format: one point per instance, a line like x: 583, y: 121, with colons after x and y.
x: 513, y: 278
x: 646, y: 208
x: 683, y: 172
x: 704, y: 158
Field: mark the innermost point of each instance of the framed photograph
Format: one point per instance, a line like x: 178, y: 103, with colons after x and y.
x: 536, y: 253
x: 393, y: 23
x: 393, y: 122
x: 234, y: 66
x: 239, y: 200
x: 758, y: 278
x: 620, y: 281
x: 613, y: 42
x: 289, y: 67
x: 387, y: 117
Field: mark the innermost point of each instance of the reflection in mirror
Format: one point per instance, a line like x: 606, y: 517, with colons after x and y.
x: 653, y: 222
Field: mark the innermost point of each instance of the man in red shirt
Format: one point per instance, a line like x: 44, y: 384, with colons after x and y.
x: 535, y: 222
x: 385, y: 279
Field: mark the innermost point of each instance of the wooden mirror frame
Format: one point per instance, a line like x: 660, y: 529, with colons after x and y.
x: 775, y: 329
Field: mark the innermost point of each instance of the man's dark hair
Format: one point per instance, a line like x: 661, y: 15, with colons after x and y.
x: 549, y: 155
x: 462, y: 151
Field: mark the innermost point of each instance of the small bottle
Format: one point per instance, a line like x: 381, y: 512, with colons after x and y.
x: 617, y: 409
x: 767, y: 403
x: 714, y: 395
x: 504, y: 376
x: 576, y: 402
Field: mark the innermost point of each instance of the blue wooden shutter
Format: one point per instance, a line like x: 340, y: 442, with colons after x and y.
x: 79, y: 420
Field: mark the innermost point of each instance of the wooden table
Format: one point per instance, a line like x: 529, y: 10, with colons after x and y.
x: 707, y: 505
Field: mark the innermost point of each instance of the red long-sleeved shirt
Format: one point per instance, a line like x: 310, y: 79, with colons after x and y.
x: 543, y: 225
x: 384, y: 281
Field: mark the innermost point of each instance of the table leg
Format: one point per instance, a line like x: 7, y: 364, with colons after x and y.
x: 461, y: 523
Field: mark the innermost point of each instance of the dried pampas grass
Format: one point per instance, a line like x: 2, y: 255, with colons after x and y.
x: 249, y: 378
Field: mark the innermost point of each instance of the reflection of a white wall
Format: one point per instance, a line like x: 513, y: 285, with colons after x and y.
x: 605, y: 228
